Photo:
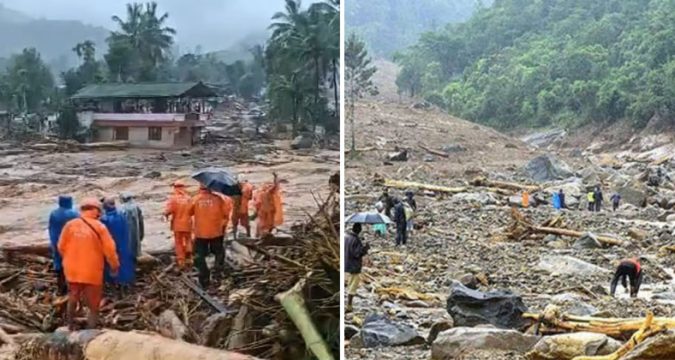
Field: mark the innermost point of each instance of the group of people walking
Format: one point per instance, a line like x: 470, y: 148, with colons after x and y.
x: 401, y: 212
x: 100, y: 243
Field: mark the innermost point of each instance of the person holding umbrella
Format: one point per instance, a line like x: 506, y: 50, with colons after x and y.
x: 209, y: 212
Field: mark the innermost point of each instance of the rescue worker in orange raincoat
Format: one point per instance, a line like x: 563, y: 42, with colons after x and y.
x: 210, y: 214
x: 85, y: 246
x: 241, y: 218
x: 178, y: 211
x: 268, y: 207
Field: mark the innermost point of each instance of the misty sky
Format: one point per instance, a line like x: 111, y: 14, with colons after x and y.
x: 214, y: 24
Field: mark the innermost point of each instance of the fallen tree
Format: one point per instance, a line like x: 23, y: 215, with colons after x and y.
x: 522, y: 228
x: 485, y: 182
x: 420, y: 186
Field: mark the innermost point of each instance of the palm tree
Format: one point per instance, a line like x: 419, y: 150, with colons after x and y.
x: 85, y: 50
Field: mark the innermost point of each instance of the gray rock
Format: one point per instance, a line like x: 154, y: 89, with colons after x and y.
x: 250, y: 131
x: 547, y: 168
x: 401, y: 155
x: 429, y: 158
x: 480, y: 198
x: 634, y: 194
x: 153, y: 175
x: 568, y: 265
x: 670, y: 218
x: 302, y: 142
x: 587, y: 241
x: 550, y: 238
x: 378, y: 331
x: 471, y: 307
x: 544, y: 138
x: 437, y: 328
x: 658, y: 347
x: 568, y: 346
x: 453, y: 148
x: 452, y: 343
x: 350, y: 331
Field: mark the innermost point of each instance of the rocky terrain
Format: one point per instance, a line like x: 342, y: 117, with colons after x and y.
x: 469, y: 236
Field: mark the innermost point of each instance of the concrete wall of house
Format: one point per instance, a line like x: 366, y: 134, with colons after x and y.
x: 138, y: 136
x: 184, y: 137
x: 85, y: 118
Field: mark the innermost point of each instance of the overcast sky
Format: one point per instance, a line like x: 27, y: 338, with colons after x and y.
x: 214, y: 24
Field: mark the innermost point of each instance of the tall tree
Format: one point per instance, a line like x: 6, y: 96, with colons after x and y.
x: 29, y: 81
x: 358, y: 77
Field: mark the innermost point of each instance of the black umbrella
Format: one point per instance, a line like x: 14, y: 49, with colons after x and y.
x: 219, y: 180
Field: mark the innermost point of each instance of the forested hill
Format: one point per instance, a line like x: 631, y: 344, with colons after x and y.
x: 54, y: 39
x: 543, y: 62
x: 390, y: 25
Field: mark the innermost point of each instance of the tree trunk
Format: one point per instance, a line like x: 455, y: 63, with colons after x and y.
x: 295, y: 117
x: 317, y: 93
x: 335, y: 88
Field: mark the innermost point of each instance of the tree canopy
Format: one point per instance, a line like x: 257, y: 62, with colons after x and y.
x: 544, y: 62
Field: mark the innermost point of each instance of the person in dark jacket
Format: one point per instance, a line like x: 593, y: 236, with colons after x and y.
x: 631, y: 269
x: 597, y: 196
x: 355, y: 250
x: 388, y: 201
x: 57, y: 220
x: 616, y: 201
x: 117, y: 225
x: 401, y: 223
x: 561, y: 196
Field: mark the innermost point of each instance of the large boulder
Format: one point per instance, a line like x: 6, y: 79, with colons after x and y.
x: 587, y: 241
x: 304, y: 141
x: 569, y: 346
x: 571, y: 189
x: 472, y: 307
x: 547, y: 168
x: 452, y: 343
x: 379, y: 331
x: 635, y: 194
x: 544, y: 138
x: 568, y: 265
x: 480, y: 198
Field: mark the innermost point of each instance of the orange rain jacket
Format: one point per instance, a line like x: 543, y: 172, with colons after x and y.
x: 268, y: 204
x: 210, y: 212
x: 84, y: 249
x: 178, y: 207
x: 246, y: 196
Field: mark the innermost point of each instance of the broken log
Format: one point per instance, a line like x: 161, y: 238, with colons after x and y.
x: 573, y: 233
x: 552, y: 321
x: 485, y: 182
x: 112, y: 344
x: 294, y: 304
x: 41, y: 249
x: 421, y: 186
x: 434, y: 152
x: 170, y: 326
x: 646, y: 330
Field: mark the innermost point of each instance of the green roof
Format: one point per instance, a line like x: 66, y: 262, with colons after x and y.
x: 144, y: 90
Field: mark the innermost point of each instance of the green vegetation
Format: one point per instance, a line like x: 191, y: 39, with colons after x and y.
x: 545, y: 62
x: 390, y: 25
x: 358, y: 77
x: 301, y: 58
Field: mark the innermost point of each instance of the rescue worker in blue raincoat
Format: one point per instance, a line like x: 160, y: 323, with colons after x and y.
x: 57, y: 220
x: 117, y: 225
x: 132, y: 212
x: 556, y: 201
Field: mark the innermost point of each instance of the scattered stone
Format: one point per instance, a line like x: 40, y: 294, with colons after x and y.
x: 637, y: 234
x: 437, y: 328
x: 453, y: 148
x: 480, y: 198
x: 587, y: 241
x: 471, y: 307
x: 429, y: 158
x: 350, y: 331
x: 303, y: 141
x: 568, y: 265
x: 568, y: 346
x: 657, y: 347
x: 547, y: 168
x: 452, y: 343
x: 635, y: 194
x: 401, y: 155
x: 153, y: 175
x: 378, y: 331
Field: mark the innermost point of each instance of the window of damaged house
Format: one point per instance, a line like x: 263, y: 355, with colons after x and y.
x: 121, y: 133
x: 155, y: 133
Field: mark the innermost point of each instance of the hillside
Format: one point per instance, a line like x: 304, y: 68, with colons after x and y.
x: 567, y: 63
x: 390, y: 25
x: 54, y: 39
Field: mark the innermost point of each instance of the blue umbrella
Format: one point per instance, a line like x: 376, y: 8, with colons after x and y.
x: 368, y: 218
x: 219, y: 180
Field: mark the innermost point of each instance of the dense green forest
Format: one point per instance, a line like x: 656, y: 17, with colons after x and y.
x: 390, y: 25
x: 548, y: 62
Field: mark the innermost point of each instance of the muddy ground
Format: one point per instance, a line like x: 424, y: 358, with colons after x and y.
x: 458, y: 237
